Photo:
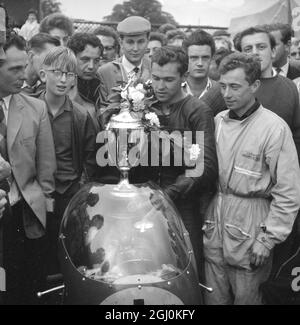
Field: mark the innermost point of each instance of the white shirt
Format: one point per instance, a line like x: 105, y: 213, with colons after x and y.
x: 14, y: 194
x: 128, y: 66
x: 187, y: 88
x: 284, y: 69
x: 6, y: 100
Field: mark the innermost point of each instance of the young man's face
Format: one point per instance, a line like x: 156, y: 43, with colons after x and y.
x: 153, y: 46
x: 236, y: 90
x: 166, y: 82
x: 109, y: 48
x: 222, y: 43
x: 61, y: 35
x: 88, y: 62
x: 35, y: 63
x: 12, y: 71
x: 259, y: 44
x: 199, y: 61
x: 58, y: 81
x: 281, y: 50
x: 134, y: 47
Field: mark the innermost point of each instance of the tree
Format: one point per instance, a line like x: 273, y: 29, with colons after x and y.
x: 49, y: 7
x: 151, y: 10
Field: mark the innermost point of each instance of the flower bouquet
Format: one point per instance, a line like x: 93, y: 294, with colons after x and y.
x: 134, y: 99
x: 131, y: 112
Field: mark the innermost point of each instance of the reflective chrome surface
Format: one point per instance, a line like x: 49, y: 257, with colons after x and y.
x: 125, y: 234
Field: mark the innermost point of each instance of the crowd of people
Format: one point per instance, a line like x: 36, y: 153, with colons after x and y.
x: 242, y: 91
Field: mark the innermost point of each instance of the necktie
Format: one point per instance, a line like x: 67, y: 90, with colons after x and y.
x: 278, y: 70
x: 136, y: 70
x: 4, y: 185
x: 133, y: 74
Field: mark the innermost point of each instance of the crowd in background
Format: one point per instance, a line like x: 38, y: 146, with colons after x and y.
x: 59, y: 83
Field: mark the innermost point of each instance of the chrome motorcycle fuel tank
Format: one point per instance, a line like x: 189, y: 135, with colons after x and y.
x: 125, y: 244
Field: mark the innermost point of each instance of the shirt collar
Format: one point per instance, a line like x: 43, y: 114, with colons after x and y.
x: 284, y: 69
x: 128, y: 66
x: 251, y: 110
x: 7, y: 100
x: 187, y: 88
x: 67, y: 106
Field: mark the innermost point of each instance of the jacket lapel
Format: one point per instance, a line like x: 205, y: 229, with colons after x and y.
x: 14, y: 120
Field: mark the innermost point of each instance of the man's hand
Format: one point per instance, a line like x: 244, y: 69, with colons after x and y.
x: 2, y: 202
x: 259, y: 254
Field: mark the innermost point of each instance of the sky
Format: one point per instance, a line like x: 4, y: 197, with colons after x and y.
x: 185, y: 12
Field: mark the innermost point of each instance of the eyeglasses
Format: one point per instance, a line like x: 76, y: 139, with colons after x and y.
x: 58, y: 74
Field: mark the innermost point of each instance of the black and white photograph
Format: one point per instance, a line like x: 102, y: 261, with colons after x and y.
x: 149, y: 155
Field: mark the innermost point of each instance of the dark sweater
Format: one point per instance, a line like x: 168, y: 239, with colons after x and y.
x: 89, y: 90
x: 278, y: 94
x: 189, y: 114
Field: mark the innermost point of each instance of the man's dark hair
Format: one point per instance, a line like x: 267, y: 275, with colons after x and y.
x: 285, y: 30
x: 170, y: 54
x: 16, y: 41
x: 251, y: 31
x: 200, y: 37
x: 174, y: 34
x: 57, y: 20
x: 160, y: 37
x: 33, y: 11
x: 79, y: 41
x: 164, y: 28
x: 38, y: 41
x: 249, y: 63
x: 108, y: 31
x: 220, y: 54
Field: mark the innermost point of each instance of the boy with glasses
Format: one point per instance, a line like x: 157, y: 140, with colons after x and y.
x: 38, y: 47
x: 73, y: 132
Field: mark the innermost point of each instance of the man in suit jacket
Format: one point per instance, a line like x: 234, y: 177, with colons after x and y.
x: 134, y: 36
x: 282, y: 34
x: 30, y: 151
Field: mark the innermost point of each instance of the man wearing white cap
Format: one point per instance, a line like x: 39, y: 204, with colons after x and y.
x: 133, y: 37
